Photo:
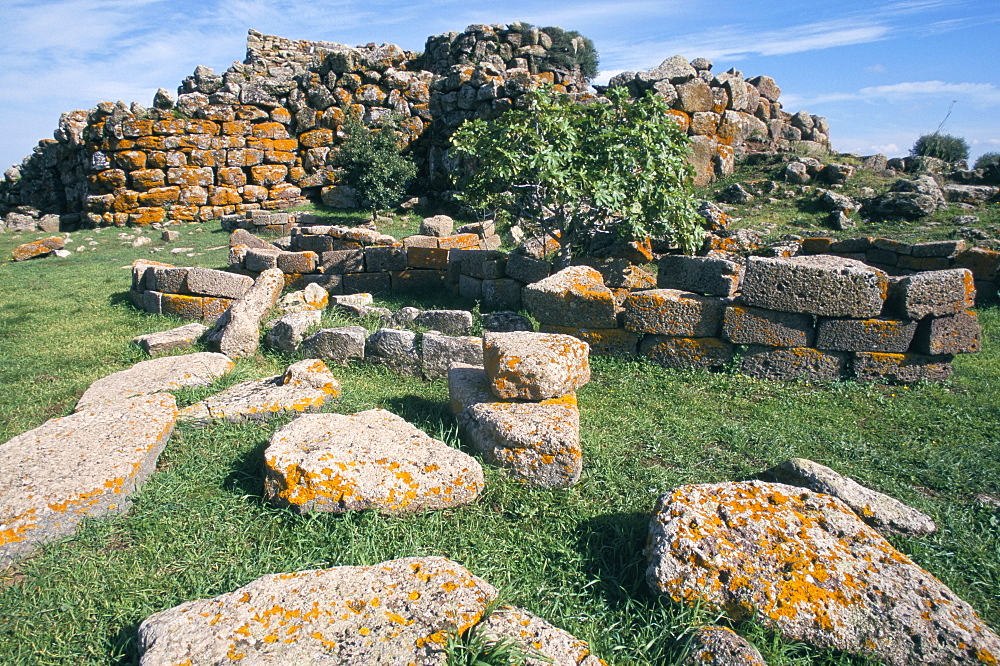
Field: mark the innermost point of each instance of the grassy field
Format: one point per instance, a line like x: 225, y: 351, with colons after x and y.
x: 200, y: 528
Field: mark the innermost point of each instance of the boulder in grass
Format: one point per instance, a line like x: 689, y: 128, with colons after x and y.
x: 535, y: 366
x: 804, y: 565
x: 449, y: 322
x: 84, y: 465
x: 438, y: 226
x: 394, y: 349
x: 395, y: 612
x: 156, y: 376
x: 38, y: 248
x: 286, y: 333
x: 884, y: 513
x: 369, y: 460
x: 575, y: 296
x: 719, y: 646
x: 162, y: 342
x: 304, y: 387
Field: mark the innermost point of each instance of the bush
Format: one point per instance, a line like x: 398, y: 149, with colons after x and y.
x: 570, y: 170
x: 373, y: 164
x: 988, y: 160
x: 942, y: 146
x: 563, y: 55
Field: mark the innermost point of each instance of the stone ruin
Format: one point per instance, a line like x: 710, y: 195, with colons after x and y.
x: 264, y: 134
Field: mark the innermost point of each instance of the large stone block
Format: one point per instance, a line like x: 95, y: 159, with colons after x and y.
x: 343, y: 261
x: 872, y: 335
x: 525, y: 269
x: 238, y: 331
x: 535, y: 366
x: 336, y: 344
x: 958, y: 334
x: 222, y: 284
x: 155, y: 376
x: 39, y: 248
x: 385, y: 258
x: 395, y: 349
x: 502, y: 294
x: 702, y: 275
x: 162, y: 342
x: 438, y: 352
x: 287, y: 332
x: 686, y: 353
x: 602, y: 341
x: 934, y: 293
x: 575, y: 296
x: 449, y: 322
x: 822, y: 285
x: 902, y: 368
x: 673, y: 312
x: 786, y: 363
x: 745, y: 325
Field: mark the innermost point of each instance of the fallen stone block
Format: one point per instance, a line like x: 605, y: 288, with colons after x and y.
x: 87, y: 464
x: 884, y: 513
x: 958, y: 334
x: 439, y: 351
x: 602, y: 341
x: 934, y: 293
x: 702, y: 275
x: 369, y: 460
x: 287, y: 332
x: 352, y: 299
x: 304, y: 387
x: 821, y: 285
x: 745, y: 325
x: 902, y: 368
x: 673, y: 312
x: 575, y: 296
x: 686, y: 353
x: 221, y: 284
x: 237, y: 332
x: 395, y: 349
x: 244, y: 237
x: 258, y: 259
x: 449, y: 322
x: 157, y: 375
x: 336, y: 344
x: 296, y: 263
x: 438, y: 226
x: 535, y: 366
x: 787, y: 363
x: 804, y: 565
x: 182, y: 337
x: 720, y: 646
x: 872, y: 335
x: 38, y: 248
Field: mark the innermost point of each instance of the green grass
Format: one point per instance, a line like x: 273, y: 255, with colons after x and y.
x: 200, y: 527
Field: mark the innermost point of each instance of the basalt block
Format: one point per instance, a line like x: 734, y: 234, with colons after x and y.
x: 438, y: 352
x: 787, y: 363
x: 394, y: 348
x: 535, y: 366
x: 339, y: 344
x: 369, y: 460
x: 288, y: 331
x: 221, y: 284
x: 84, y: 465
x: 673, y: 312
x: 934, y: 293
x: 686, y: 353
x: 746, y: 325
x: 721, y: 646
x: 804, y: 565
x: 872, y: 335
x: 237, y: 332
x: 902, y: 368
x: 162, y: 342
x: 602, y: 341
x: 702, y: 275
x: 155, y: 376
x: 822, y: 285
x: 575, y: 296
x: 958, y: 334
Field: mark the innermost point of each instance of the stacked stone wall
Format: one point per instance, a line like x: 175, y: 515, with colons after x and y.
x: 264, y: 135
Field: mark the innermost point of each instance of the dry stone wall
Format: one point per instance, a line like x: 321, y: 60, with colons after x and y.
x: 264, y: 134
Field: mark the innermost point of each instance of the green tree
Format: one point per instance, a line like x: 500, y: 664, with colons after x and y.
x: 374, y: 164
x: 987, y: 160
x: 942, y: 146
x: 567, y: 170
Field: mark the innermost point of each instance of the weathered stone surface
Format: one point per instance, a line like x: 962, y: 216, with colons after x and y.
x: 439, y: 226
x: 702, y: 275
x: 395, y: 349
x: 181, y: 337
x: 244, y: 237
x: 439, y: 351
x: 884, y: 513
x: 540, y: 641
x: 526, y: 269
x: 805, y: 565
x: 902, y: 368
x: 984, y: 263
x: 690, y: 353
x: 304, y: 387
x: 287, y: 332
x: 336, y: 344
x: 673, y: 312
x: 352, y: 299
x: 449, y: 322
x: 326, y: 616
x: 506, y: 321
x: 934, y: 293
x: 535, y: 366
x: 369, y: 460
x: 786, y: 363
x: 157, y: 375
x: 822, y: 285
x: 872, y: 335
x: 222, y: 284
x: 575, y: 296
x: 602, y: 341
x: 85, y: 464
x: 755, y: 326
x: 238, y: 330
x: 38, y: 248
x: 719, y: 646
x: 959, y: 334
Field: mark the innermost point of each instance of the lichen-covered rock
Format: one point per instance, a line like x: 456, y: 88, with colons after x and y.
x: 903, y: 368
x: 157, y: 375
x: 162, y: 342
x: 449, y: 322
x: 287, y: 332
x: 543, y: 643
x: 304, y: 387
x: 804, y: 564
x: 884, y: 513
x: 535, y: 366
x: 673, y: 312
x: 438, y: 352
x: 395, y: 349
x: 702, y: 275
x: 336, y: 344
x: 575, y: 296
x: 38, y: 248
x: 237, y: 332
x: 369, y: 460
x: 871, y: 335
x: 686, y: 353
x: 934, y: 293
x: 959, y: 334
x: 85, y: 464
x: 822, y: 285
x: 787, y: 363
x: 719, y: 646
x: 754, y: 326
x: 602, y: 341
x: 221, y: 284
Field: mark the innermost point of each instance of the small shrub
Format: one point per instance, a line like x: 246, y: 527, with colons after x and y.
x: 942, y: 146
x: 987, y: 160
x: 374, y: 165
x: 563, y: 55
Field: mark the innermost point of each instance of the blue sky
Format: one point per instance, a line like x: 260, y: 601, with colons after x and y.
x: 883, y: 73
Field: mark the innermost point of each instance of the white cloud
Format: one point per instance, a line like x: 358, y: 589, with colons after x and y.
x: 979, y: 94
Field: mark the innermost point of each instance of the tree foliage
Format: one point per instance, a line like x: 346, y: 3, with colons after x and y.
x: 987, y: 160
x: 567, y: 170
x: 569, y: 49
x: 942, y: 146
x: 374, y: 165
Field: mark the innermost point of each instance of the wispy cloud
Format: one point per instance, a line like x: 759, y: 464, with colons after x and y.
x: 979, y: 94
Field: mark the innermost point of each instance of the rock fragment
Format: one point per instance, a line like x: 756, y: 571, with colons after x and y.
x: 719, y: 646
x: 238, y: 330
x: 162, y: 342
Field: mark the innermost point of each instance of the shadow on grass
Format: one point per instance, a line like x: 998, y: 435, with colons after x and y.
x: 612, y: 546
x: 246, y: 476
x: 126, y: 644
